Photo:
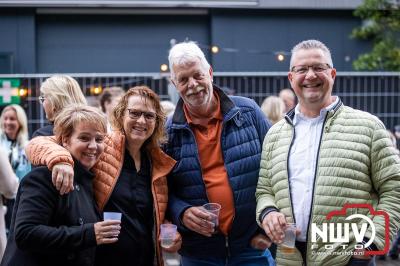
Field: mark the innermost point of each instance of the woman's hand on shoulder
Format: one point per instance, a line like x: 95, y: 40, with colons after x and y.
x: 63, y: 178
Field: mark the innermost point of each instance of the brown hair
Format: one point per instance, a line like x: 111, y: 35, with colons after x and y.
x: 158, y: 137
x: 72, y: 115
x: 108, y: 94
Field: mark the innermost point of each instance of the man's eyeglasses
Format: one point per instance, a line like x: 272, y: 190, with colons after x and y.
x: 136, y: 114
x: 303, y: 69
x: 41, y: 99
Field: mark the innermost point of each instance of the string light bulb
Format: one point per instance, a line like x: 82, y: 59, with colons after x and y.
x: 214, y: 49
x: 23, y: 92
x: 96, y: 90
x: 164, y: 67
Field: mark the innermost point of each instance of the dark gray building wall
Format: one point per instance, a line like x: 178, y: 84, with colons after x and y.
x: 108, y: 43
x: 249, y: 40
x: 258, y: 36
x: 17, y: 40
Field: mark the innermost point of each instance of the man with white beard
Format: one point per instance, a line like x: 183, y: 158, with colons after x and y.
x: 216, y: 140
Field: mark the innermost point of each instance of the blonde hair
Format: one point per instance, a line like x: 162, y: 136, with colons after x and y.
x: 62, y: 91
x: 22, y: 135
x: 69, y: 118
x: 158, y: 137
x: 168, y: 107
x: 274, y: 108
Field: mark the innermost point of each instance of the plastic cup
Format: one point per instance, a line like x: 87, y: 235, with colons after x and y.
x: 167, y: 235
x: 112, y: 216
x: 289, y: 240
x: 213, y: 208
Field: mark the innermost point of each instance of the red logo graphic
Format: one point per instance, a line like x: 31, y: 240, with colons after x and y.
x: 374, y: 213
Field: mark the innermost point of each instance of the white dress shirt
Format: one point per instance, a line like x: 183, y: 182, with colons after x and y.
x: 302, y: 164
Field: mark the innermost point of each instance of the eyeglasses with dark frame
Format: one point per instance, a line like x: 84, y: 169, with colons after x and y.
x: 316, y: 68
x: 136, y: 114
x: 41, y: 99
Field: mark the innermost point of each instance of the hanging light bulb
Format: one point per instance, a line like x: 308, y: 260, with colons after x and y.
x: 280, y: 57
x: 214, y: 49
x: 164, y: 67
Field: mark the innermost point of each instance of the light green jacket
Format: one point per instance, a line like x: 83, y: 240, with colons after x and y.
x: 357, y: 163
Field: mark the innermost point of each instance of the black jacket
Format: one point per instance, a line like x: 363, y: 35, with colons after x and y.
x: 44, y: 131
x: 49, y: 229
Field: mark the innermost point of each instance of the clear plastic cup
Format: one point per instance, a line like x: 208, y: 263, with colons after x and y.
x: 288, y: 244
x: 167, y: 235
x: 112, y: 216
x: 213, y: 208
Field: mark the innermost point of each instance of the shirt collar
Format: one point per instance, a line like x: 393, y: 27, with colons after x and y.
x: 298, y: 115
x: 216, y: 115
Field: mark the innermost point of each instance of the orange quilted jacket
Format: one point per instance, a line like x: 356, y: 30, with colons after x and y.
x: 45, y: 151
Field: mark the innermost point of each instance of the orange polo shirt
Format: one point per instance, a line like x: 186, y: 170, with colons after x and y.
x: 215, y: 177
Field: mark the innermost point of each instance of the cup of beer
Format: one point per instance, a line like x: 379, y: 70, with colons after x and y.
x: 288, y: 244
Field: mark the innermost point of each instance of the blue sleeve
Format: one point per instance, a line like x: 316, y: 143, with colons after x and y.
x: 176, y: 208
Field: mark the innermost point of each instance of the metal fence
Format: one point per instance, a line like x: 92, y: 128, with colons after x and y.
x: 375, y: 92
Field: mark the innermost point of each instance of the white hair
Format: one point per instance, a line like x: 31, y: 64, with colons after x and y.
x: 184, y: 53
x: 312, y: 44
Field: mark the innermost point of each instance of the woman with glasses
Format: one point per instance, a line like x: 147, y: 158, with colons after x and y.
x: 130, y: 178
x: 57, y: 92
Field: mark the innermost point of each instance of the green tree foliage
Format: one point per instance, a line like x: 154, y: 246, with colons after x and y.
x: 382, y: 27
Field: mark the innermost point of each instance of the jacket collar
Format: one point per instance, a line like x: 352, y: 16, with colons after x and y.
x: 161, y: 163
x: 228, y: 109
x: 290, y: 115
x: 81, y: 173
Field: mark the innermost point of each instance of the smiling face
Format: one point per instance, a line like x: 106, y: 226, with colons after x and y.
x: 85, y: 144
x: 10, y: 124
x: 138, y: 129
x: 313, y: 89
x: 194, y: 84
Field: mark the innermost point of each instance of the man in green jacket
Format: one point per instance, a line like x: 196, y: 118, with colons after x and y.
x: 317, y: 163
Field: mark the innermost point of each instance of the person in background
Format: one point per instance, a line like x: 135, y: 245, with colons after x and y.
x: 322, y: 156
x: 216, y: 140
x: 108, y: 100
x: 13, y: 139
x: 49, y: 229
x: 168, y: 107
x: 8, y: 188
x: 56, y: 93
x: 130, y: 178
x: 274, y: 108
x: 289, y: 98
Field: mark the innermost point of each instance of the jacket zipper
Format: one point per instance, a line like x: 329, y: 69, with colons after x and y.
x: 315, y: 179
x: 227, y: 249
x: 287, y: 167
x: 156, y: 217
